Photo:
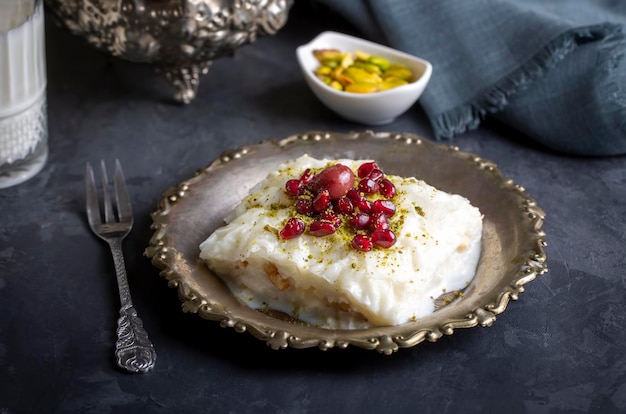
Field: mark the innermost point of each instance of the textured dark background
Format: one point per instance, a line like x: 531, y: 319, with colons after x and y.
x: 560, y: 348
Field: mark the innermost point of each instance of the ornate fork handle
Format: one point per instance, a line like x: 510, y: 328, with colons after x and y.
x: 133, y: 350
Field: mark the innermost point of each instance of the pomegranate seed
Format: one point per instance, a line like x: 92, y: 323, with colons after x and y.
x: 365, y: 169
x: 379, y: 222
x: 293, y: 228
x: 335, y: 220
x: 375, y: 175
x: 361, y: 243
x: 360, y: 221
x: 354, y: 196
x: 306, y: 176
x: 321, y: 202
x: 292, y: 186
x: 368, y: 186
x: 332, y: 193
x: 364, y: 206
x: 304, y: 206
x: 344, y: 206
x: 321, y: 228
x: 386, y: 207
x: 337, y: 179
x: 387, y: 189
x: 384, y: 238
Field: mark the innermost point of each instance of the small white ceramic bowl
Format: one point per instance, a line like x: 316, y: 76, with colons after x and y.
x: 372, y: 108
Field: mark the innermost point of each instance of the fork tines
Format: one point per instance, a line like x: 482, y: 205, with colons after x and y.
x: 122, y: 199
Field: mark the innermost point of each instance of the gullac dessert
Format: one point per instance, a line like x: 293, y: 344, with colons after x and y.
x: 340, y: 244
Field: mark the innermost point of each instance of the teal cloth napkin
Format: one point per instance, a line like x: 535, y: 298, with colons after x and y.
x: 554, y: 70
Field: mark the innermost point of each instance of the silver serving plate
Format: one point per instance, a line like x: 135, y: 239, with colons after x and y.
x: 512, y: 248
x: 180, y: 37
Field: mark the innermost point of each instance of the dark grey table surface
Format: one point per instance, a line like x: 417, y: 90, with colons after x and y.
x: 559, y: 348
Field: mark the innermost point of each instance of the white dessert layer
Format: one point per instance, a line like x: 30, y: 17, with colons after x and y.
x: 323, y: 280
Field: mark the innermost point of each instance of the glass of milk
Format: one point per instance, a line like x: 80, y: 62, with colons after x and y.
x: 23, y: 116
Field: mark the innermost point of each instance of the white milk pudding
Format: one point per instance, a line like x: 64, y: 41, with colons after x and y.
x: 339, y: 244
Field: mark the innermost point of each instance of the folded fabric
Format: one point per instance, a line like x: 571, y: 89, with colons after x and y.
x: 556, y: 71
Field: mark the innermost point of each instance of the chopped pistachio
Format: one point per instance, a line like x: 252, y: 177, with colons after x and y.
x: 361, y: 55
x: 323, y: 70
x: 362, y: 88
x: 399, y: 71
x: 336, y: 85
x: 324, y: 55
x: 347, y: 60
x: 379, y: 61
x: 390, y: 83
x: 359, y: 72
x: 361, y: 76
x: 369, y: 67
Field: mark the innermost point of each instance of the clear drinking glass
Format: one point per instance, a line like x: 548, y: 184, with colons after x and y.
x: 23, y: 116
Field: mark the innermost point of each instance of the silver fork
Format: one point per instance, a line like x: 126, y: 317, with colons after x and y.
x: 133, y: 350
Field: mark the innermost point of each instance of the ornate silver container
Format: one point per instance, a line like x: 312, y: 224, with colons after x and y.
x: 180, y: 37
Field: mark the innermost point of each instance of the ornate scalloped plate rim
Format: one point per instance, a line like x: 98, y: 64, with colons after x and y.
x: 279, y: 334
